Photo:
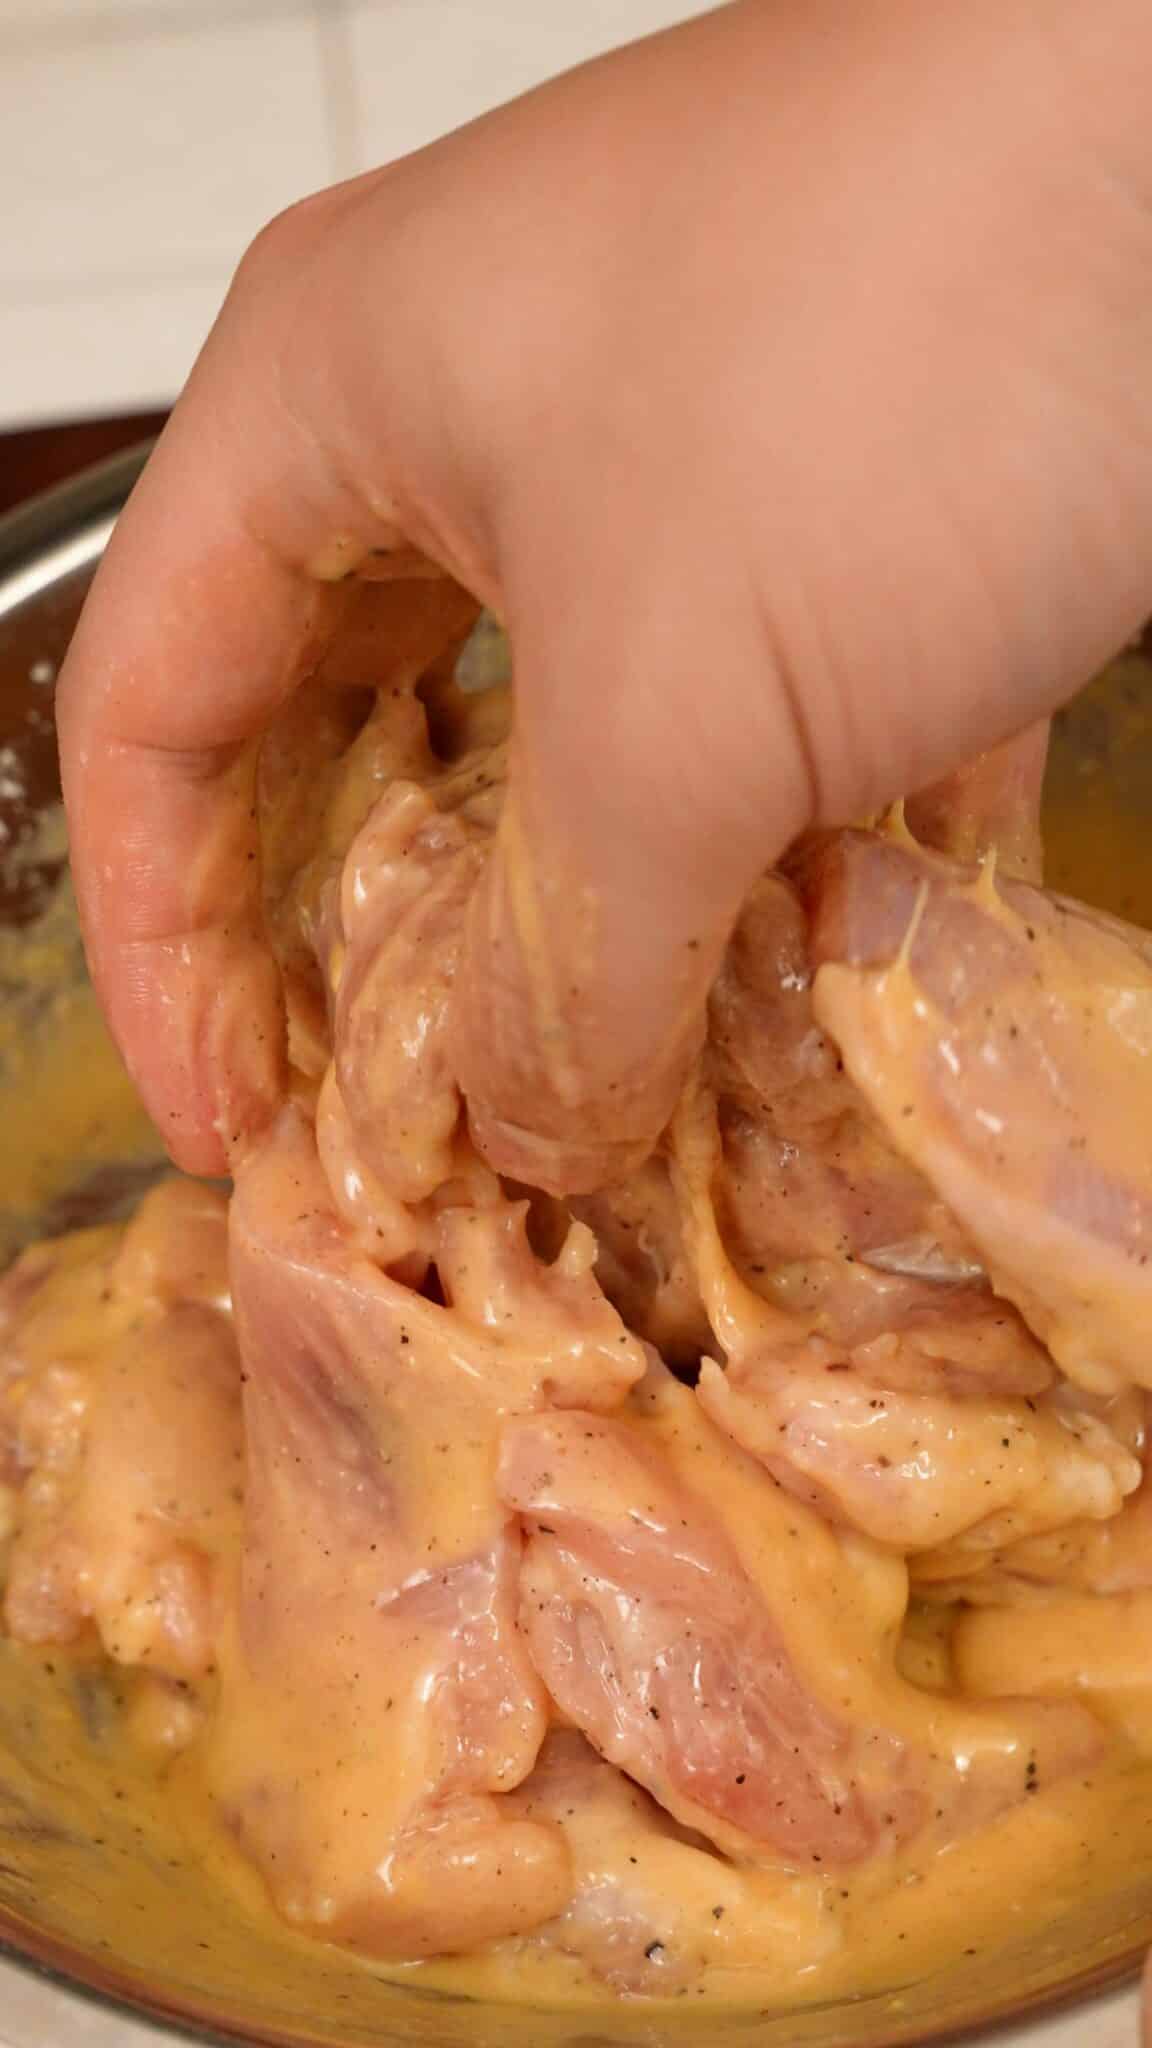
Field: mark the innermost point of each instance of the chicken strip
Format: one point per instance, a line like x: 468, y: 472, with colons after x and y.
x: 991, y: 805
x: 1003, y: 1037
x: 653, y: 1907
x: 121, y: 1408
x: 907, y: 1436
x: 716, y: 1641
x: 376, y: 1633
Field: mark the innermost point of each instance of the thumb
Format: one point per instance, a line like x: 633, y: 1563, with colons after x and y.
x: 656, y: 771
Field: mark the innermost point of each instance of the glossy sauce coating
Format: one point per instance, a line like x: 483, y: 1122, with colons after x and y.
x: 511, y: 1647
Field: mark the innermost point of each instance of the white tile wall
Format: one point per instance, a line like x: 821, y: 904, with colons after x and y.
x: 423, y: 66
x: 156, y: 152
x: 115, y: 347
x: 71, y: 14
x: 142, y: 143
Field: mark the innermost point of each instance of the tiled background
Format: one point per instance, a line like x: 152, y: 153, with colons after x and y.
x: 143, y: 142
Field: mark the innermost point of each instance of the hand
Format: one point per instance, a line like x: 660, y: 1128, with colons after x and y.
x: 780, y: 381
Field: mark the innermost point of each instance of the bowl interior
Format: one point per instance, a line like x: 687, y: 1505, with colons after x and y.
x: 114, y: 1880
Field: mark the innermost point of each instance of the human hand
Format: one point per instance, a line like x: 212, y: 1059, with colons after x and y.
x: 781, y: 383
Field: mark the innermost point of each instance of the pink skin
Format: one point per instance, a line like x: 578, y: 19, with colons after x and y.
x: 653, y: 1641
x: 656, y: 1641
x: 807, y: 454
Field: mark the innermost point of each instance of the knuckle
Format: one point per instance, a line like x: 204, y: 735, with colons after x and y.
x: 287, y: 245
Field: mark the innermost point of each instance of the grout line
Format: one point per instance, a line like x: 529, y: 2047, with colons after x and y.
x: 338, y: 79
x: 136, y: 18
x: 25, y: 291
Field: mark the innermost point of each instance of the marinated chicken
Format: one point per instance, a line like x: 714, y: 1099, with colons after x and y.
x: 542, y: 1577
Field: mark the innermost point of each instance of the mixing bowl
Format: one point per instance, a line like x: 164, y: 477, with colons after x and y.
x: 113, y: 1934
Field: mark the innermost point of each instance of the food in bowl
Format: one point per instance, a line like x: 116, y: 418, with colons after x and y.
x: 717, y: 1586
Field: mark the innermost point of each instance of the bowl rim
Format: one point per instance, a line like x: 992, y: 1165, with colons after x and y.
x: 167, y: 2020
x: 43, y: 539
x: 66, y: 528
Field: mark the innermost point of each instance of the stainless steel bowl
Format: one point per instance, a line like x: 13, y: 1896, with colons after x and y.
x: 163, y: 1955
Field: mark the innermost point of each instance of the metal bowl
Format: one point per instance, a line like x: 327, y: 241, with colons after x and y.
x: 110, y: 1937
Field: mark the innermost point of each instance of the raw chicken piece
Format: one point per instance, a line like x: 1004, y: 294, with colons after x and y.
x: 920, y: 1470
x: 816, y: 1207
x: 546, y: 1331
x: 175, y: 1250
x: 135, y: 1471
x: 950, y: 1340
x: 808, y: 1189
x: 128, y: 1443
x: 326, y: 759
x: 653, y: 1641
x: 733, y: 1657
x: 642, y: 1263
x: 1004, y: 1039
x: 50, y: 1299
x: 1113, y: 1556
x: 813, y: 1205
x: 403, y: 894
x: 992, y: 805
x: 652, y: 1906
x: 303, y: 765
x: 376, y: 1633
x: 897, y: 1393
x: 395, y: 1237
x: 907, y: 1436
x: 386, y: 932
